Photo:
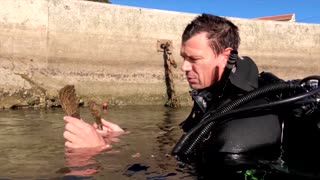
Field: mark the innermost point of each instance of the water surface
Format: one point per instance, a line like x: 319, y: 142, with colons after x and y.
x: 32, y: 145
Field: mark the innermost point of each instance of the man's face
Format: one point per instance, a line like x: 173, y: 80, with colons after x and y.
x: 202, y: 67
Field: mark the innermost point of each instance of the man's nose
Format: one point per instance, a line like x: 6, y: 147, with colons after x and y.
x: 186, y: 66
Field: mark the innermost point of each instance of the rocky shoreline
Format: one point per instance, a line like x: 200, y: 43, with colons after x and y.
x: 19, y: 91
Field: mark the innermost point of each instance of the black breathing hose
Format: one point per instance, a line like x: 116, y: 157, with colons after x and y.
x: 190, y: 141
x: 314, y: 77
x: 294, y: 101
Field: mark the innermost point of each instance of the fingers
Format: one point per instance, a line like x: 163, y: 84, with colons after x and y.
x: 79, y: 134
x: 70, y: 137
x: 107, y: 132
x: 107, y: 123
x: 68, y: 144
x: 71, y: 128
x: 111, y: 126
x: 75, y: 129
x: 95, y: 125
x: 76, y: 126
x: 75, y: 121
x: 70, y: 119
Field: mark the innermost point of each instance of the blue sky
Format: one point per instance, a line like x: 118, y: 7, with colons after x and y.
x: 306, y: 11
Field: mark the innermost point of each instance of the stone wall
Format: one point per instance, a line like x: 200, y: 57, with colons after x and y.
x: 110, y: 52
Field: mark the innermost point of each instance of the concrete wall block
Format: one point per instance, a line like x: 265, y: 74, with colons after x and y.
x: 111, y: 51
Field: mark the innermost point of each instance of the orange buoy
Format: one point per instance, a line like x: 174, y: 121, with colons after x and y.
x: 104, y: 105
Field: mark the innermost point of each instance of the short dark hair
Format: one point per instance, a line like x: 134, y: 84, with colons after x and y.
x: 222, y: 33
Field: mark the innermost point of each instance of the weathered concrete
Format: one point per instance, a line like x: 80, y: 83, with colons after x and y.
x: 109, y: 52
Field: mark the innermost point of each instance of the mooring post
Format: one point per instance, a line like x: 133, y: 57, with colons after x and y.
x: 166, y: 47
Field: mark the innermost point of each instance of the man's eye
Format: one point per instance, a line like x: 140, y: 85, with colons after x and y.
x: 193, y: 59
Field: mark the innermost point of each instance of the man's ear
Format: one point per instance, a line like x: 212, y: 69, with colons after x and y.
x: 226, y: 53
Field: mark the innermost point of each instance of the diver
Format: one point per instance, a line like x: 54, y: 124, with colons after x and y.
x: 238, y: 117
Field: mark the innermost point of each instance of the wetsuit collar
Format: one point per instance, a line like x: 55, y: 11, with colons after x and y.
x: 244, y: 76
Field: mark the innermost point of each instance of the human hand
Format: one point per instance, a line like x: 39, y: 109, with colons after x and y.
x: 79, y: 134
x: 109, y: 129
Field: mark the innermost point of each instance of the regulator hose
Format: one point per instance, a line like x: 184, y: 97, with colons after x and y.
x: 191, y: 140
x: 297, y: 100
x: 314, y: 77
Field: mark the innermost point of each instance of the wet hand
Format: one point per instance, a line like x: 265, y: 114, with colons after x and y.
x: 109, y: 129
x: 79, y: 134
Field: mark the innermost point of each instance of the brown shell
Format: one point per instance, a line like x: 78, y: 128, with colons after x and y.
x: 69, y: 101
x: 96, y: 113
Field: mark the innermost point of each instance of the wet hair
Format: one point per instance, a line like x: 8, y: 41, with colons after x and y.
x: 221, y: 32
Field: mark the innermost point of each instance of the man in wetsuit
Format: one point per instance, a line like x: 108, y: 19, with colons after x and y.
x: 206, y: 45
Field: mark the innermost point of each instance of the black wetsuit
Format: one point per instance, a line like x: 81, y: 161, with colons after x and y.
x: 243, y: 141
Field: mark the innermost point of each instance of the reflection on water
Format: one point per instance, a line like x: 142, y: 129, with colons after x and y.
x: 32, y: 145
